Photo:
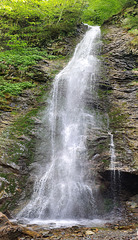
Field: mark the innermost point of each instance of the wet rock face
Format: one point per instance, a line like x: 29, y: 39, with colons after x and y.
x: 119, y: 68
x: 16, y: 144
x: 118, y: 98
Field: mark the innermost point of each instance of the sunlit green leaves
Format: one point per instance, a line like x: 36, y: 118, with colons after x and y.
x: 49, y: 11
x: 97, y: 11
x: 23, y: 58
x: 36, y: 20
x: 14, y: 88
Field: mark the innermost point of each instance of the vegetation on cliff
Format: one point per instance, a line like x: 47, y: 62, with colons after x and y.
x: 27, y: 27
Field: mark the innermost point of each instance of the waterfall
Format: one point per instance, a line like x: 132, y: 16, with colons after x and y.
x: 115, y: 179
x: 113, y: 169
x: 112, y: 153
x: 63, y: 189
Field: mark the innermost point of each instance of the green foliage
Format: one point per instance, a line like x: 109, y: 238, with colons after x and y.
x: 14, y: 65
x: 36, y: 20
x: 21, y: 58
x: 14, y: 88
x: 134, y: 31
x: 97, y: 11
x: 16, y: 43
x: 130, y: 21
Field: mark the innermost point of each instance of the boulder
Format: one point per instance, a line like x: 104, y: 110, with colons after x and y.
x: 12, y: 231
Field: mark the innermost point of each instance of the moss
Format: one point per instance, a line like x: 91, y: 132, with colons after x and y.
x: 106, y: 162
x: 10, y: 187
x: 24, y: 123
x: 133, y: 83
x: 16, y: 190
x: 133, y: 31
x: 22, y: 148
x: 104, y: 93
x: 101, y: 146
x: 134, y: 42
x: 117, y: 118
x: 18, y: 149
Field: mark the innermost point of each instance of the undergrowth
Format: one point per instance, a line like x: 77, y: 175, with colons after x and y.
x: 130, y: 21
x: 14, y: 88
x: 21, y: 58
x: 14, y: 64
x: 27, y: 27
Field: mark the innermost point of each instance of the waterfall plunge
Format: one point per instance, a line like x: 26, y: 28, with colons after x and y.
x: 62, y: 189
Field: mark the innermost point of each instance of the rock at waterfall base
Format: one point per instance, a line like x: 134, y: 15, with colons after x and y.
x: 89, y: 232
x: 11, y: 231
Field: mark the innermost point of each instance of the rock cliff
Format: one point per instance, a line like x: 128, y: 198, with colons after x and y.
x: 119, y: 58
x: 118, y: 94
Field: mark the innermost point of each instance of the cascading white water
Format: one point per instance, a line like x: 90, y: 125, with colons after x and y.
x: 62, y: 189
x: 112, y: 168
x: 115, y: 180
x: 112, y: 153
